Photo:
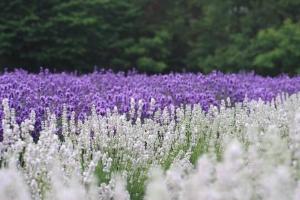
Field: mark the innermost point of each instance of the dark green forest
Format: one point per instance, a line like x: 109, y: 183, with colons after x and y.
x: 153, y: 36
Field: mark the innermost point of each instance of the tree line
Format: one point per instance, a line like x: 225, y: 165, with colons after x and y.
x: 153, y: 36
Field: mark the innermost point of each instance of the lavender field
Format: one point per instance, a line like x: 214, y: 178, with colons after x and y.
x: 107, y: 90
x: 122, y: 136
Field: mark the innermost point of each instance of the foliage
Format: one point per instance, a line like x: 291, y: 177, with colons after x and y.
x: 278, y: 48
x: 151, y: 36
x: 64, y: 34
x: 150, y: 53
x: 226, y: 32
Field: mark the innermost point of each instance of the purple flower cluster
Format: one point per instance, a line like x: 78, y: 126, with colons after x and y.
x: 106, y: 89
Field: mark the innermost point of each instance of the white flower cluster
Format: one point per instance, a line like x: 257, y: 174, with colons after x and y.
x: 249, y: 151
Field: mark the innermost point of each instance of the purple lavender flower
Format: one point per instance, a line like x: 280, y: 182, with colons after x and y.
x: 106, y: 89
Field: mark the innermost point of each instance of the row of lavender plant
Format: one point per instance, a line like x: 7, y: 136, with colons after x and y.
x: 106, y: 90
x: 249, y: 151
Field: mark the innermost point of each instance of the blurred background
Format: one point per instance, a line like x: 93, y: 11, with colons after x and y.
x: 153, y: 36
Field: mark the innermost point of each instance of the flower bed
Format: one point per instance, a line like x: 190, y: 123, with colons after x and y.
x: 105, y: 90
x: 248, y: 151
x: 177, y: 136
